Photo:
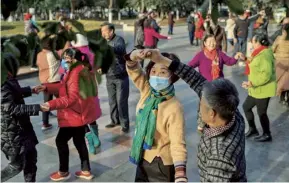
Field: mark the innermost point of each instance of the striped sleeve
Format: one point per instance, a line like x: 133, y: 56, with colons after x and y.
x: 193, y: 78
x: 219, y: 169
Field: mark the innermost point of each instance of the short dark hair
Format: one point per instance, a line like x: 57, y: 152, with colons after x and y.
x: 222, y: 96
x: 174, y: 78
x: 262, y: 38
x: 109, y: 25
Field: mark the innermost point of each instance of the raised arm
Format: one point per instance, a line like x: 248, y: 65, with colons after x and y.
x: 193, y: 78
x: 157, y: 35
x: 137, y: 75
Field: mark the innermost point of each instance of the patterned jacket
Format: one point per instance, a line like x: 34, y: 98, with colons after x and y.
x: 16, y: 129
x: 221, y: 152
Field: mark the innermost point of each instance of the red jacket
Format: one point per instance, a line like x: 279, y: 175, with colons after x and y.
x: 150, y: 36
x: 73, y: 111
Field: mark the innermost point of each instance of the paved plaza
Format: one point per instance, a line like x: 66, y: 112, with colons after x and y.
x: 265, y: 161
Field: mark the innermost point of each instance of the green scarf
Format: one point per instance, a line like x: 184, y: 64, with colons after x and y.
x: 146, y: 122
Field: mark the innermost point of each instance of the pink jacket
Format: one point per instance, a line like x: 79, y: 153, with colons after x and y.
x: 150, y: 36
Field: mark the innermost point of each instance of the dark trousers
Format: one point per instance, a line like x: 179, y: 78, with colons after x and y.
x: 45, y: 115
x: 78, y: 136
x: 155, y: 171
x: 262, y: 106
x: 33, y: 55
x: 118, y: 93
x: 192, y: 36
x: 171, y: 27
x: 25, y: 161
x: 241, y: 46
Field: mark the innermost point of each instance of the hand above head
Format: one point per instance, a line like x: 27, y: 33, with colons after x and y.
x: 45, y: 107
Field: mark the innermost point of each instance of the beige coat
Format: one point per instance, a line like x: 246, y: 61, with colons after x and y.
x: 169, y: 141
x: 281, y: 53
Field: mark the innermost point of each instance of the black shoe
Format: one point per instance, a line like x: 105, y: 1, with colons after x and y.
x: 251, y: 132
x: 125, y: 130
x: 263, y: 138
x: 111, y: 125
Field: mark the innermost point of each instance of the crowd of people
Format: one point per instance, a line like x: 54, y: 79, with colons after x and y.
x: 159, y: 146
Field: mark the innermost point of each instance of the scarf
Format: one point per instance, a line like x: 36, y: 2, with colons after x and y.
x: 146, y: 122
x: 213, y: 56
x: 255, y: 53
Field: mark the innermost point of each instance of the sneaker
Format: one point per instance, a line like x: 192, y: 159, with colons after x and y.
x: 46, y: 127
x: 84, y: 175
x: 59, y: 176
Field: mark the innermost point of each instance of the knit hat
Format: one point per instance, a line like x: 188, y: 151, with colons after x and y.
x: 81, y: 40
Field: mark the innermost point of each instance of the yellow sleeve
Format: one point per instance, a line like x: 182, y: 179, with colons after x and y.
x: 177, y: 136
x: 138, y: 77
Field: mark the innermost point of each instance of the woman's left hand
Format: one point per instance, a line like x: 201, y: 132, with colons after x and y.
x: 247, y: 84
x: 45, y: 107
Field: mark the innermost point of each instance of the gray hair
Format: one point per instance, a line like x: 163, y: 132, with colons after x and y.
x: 222, y: 96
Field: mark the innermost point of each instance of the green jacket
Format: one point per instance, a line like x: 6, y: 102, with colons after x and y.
x: 262, y: 75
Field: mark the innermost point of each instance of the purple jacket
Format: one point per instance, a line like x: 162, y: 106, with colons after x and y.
x: 205, y: 64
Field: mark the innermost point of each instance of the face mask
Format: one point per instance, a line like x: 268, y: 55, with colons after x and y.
x: 159, y: 83
x: 64, y: 65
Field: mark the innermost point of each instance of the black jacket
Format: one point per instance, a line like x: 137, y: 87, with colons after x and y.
x: 16, y: 128
x: 117, y: 70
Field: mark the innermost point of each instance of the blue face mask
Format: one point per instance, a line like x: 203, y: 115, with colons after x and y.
x: 64, y: 65
x: 159, y: 83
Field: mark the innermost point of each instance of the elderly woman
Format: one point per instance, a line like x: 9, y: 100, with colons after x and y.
x: 221, y: 150
x: 261, y: 87
x: 281, y: 53
x: 73, y: 114
x: 159, y: 147
x: 211, y: 62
